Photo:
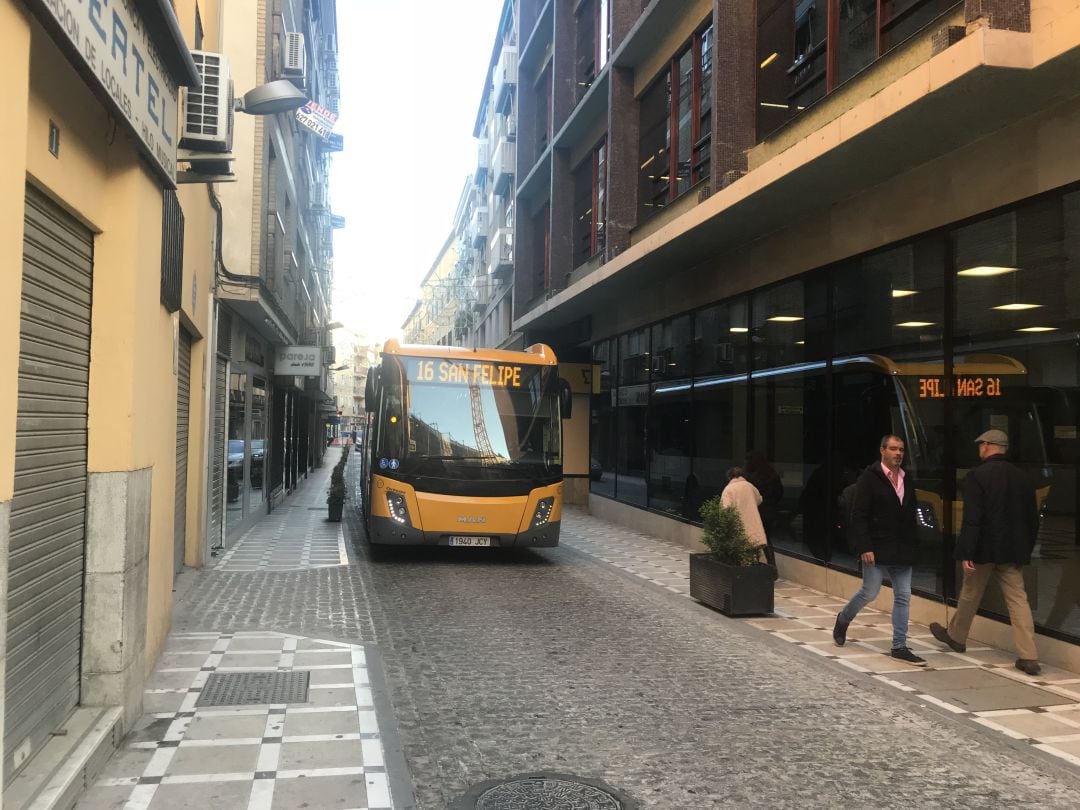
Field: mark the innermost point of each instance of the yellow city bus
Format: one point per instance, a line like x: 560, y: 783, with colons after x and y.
x: 463, y: 447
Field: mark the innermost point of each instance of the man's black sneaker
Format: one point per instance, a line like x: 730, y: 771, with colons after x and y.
x: 1028, y: 666
x: 839, y: 631
x: 942, y: 635
x: 904, y: 654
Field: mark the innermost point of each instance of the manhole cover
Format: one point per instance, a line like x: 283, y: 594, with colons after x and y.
x: 544, y: 792
x: 251, y: 688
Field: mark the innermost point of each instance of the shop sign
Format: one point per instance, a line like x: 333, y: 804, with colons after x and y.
x: 317, y: 118
x: 632, y: 395
x: 584, y: 378
x: 301, y: 361
x: 113, y: 49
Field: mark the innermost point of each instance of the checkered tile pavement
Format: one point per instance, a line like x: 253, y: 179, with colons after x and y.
x: 326, y: 752
x: 981, y: 684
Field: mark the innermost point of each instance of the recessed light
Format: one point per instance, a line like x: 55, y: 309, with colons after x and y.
x: 915, y: 324
x: 902, y: 293
x: 785, y: 318
x: 1017, y: 307
x: 769, y: 60
x: 773, y: 105
x: 800, y: 342
x: 982, y: 271
x: 739, y: 330
x: 1038, y: 329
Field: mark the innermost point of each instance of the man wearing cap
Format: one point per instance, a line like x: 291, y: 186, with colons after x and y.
x: 1001, y: 523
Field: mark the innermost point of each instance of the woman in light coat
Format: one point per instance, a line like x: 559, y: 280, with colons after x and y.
x: 746, y: 499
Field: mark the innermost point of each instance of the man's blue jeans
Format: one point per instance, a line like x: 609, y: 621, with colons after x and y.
x: 872, y: 575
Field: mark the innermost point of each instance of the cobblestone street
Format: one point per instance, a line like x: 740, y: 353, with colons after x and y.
x: 499, y: 665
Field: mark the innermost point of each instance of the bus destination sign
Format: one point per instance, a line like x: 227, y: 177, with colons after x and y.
x: 465, y: 372
x: 963, y: 387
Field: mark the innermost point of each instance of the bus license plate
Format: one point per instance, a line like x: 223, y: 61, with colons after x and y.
x: 460, y: 540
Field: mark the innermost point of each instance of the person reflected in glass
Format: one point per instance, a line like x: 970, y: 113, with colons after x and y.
x: 997, y: 536
x: 884, y: 536
x: 746, y: 499
x: 759, y: 472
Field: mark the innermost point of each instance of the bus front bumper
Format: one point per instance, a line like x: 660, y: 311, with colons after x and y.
x: 385, y: 531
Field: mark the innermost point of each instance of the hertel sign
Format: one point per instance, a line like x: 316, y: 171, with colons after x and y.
x: 298, y: 361
x: 115, y: 49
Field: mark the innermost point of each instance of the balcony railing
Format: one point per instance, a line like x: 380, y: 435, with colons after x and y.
x: 483, y: 161
x: 502, y: 253
x: 503, y: 167
x: 478, y: 226
x: 506, y: 76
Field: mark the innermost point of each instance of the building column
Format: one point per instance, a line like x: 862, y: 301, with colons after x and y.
x: 1011, y: 15
x: 564, y: 91
x: 734, y: 89
x: 623, y: 157
x: 624, y: 13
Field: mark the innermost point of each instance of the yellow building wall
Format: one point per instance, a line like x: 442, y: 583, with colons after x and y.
x: 14, y: 79
x: 100, y: 178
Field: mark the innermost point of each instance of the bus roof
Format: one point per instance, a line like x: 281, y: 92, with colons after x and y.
x: 538, y: 354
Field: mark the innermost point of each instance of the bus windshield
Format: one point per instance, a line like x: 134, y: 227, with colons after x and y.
x: 469, y: 419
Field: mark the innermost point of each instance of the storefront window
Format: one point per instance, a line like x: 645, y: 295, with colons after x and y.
x: 631, y: 401
x: 670, y: 429
x: 603, y: 427
x: 1016, y: 369
x: 721, y: 336
x: 235, y: 477
x: 257, y: 446
x: 789, y: 406
x: 887, y: 343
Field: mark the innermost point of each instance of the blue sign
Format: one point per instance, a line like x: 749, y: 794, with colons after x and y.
x: 383, y: 463
x: 394, y: 464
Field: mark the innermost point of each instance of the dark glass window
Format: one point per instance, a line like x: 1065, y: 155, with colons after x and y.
x: 670, y: 427
x: 684, y: 136
x: 1017, y: 368
x: 603, y: 426
x: 857, y: 45
x: 631, y: 400
x: 654, y: 179
x: 585, y: 48
x: 721, y: 336
x: 889, y: 315
x: 775, y: 55
x: 789, y: 407
x: 703, y: 141
x: 583, y: 211
x: 902, y: 18
x: 809, y: 68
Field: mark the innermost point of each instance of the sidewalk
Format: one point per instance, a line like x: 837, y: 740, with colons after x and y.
x: 302, y: 726
x: 980, y: 686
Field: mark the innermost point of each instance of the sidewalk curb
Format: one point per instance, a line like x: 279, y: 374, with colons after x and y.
x: 397, y: 768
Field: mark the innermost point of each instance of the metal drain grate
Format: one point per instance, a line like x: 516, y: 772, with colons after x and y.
x: 252, y: 688
x: 543, y: 791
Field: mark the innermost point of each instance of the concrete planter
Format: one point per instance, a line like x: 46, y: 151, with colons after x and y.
x: 734, y: 590
x: 335, y: 509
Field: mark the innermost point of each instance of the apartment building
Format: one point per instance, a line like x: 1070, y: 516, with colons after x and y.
x: 781, y: 229
x: 273, y: 348
x: 442, y: 313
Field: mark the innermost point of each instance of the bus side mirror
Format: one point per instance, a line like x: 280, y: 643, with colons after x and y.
x: 566, y: 398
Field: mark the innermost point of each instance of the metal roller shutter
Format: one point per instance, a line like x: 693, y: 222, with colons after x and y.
x: 48, y: 511
x: 217, y: 453
x: 183, y: 400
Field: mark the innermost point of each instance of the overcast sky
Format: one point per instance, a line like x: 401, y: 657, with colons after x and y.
x: 411, y: 76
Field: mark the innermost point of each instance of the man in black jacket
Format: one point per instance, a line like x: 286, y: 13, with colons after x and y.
x: 1001, y: 524
x: 883, y: 534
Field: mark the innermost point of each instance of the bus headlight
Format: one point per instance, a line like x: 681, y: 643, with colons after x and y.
x: 399, y: 511
x: 543, y: 512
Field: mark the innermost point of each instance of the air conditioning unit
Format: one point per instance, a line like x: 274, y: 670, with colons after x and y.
x: 511, y: 126
x: 294, y: 58
x: 207, y: 122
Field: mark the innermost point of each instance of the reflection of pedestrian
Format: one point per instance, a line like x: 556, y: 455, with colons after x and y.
x: 1001, y: 524
x: 883, y: 531
x: 744, y: 496
x: 761, y: 474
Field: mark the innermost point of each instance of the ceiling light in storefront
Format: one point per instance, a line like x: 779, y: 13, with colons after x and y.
x: 1038, y: 329
x: 983, y: 271
x: 902, y: 293
x: 773, y: 105
x: 785, y: 318
x: 739, y: 330
x: 769, y: 60
x: 800, y: 342
x: 1017, y: 307
x: 915, y: 324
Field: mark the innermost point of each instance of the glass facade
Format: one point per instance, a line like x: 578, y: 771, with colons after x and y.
x: 936, y: 339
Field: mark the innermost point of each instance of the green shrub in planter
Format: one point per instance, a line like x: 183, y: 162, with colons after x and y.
x: 729, y: 577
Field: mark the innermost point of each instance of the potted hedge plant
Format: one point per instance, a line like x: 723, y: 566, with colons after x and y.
x: 729, y: 577
x: 335, y: 498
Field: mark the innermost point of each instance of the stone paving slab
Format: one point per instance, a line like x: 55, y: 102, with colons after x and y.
x: 979, y: 680
x: 324, y: 752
